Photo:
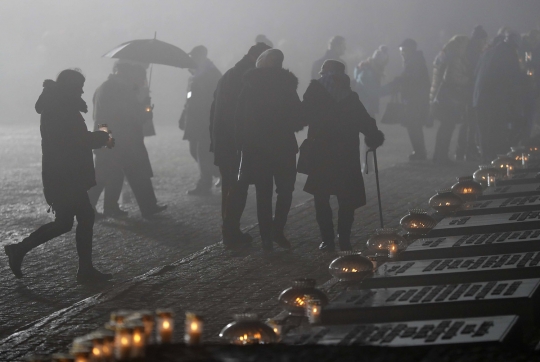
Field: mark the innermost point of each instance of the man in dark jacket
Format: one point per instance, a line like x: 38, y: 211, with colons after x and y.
x: 223, y: 146
x: 498, y: 97
x: 335, y: 117
x: 268, y: 115
x: 116, y: 104
x: 413, y: 85
x: 68, y: 172
x: 195, y: 118
x: 336, y: 49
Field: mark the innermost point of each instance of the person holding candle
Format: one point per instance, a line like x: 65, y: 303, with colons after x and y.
x: 67, y: 172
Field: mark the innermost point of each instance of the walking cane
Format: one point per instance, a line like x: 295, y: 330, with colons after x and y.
x: 376, y: 180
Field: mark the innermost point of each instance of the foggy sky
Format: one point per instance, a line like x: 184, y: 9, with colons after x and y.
x: 40, y: 38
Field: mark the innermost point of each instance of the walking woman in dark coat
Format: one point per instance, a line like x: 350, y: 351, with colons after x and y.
x: 68, y: 172
x: 335, y: 117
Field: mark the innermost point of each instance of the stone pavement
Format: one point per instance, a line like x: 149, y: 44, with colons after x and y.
x: 211, y: 281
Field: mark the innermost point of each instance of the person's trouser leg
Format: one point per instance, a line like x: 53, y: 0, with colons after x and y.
x: 264, y: 191
x: 416, y: 135
x: 285, y: 177
x: 442, y: 141
x: 143, y: 190
x: 193, y: 149
x: 207, y: 169
x: 227, y: 181
x: 234, y: 197
x: 113, y: 189
x: 323, y: 215
x: 345, y: 222
x: 84, y: 232
x: 463, y: 140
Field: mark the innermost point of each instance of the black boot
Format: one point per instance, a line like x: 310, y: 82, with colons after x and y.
x: 90, y: 275
x: 267, y: 245
x: 280, y: 239
x: 344, y: 243
x: 15, y: 254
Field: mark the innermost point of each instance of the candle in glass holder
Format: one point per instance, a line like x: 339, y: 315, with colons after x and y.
x: 528, y: 56
x: 103, y: 127
x: 491, y: 180
x: 530, y: 72
x: 165, y: 325
x: 277, y: 327
x: 98, y: 342
x: 313, y: 310
x: 139, y: 340
x: 524, y: 159
x: 509, y: 171
x: 81, y: 355
x: 392, y: 250
x: 193, y: 329
x: 108, y: 346
x: 123, y: 340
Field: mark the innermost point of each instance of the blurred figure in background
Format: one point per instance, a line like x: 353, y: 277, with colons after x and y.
x: 116, y: 104
x: 498, y: 97
x: 268, y: 115
x: 467, y: 145
x: 448, y: 95
x: 226, y: 157
x: 335, y: 117
x: 195, y: 119
x: 261, y: 38
x: 413, y: 85
x: 368, y: 75
x: 68, y: 172
x: 336, y: 49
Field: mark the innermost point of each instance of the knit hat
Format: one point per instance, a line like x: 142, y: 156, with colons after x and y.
x: 409, y: 44
x: 261, y: 38
x: 271, y: 58
x: 479, y: 33
x: 258, y: 49
x: 334, y: 66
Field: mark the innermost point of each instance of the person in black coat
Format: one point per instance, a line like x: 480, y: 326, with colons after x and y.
x: 267, y: 116
x: 336, y: 117
x: 67, y: 172
x: 117, y: 105
x: 223, y: 146
x: 336, y: 49
x: 195, y: 117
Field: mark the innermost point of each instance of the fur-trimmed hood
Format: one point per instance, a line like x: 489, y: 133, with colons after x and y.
x: 270, y: 77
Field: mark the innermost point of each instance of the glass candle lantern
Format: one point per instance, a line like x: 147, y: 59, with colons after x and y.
x: 248, y: 329
x: 417, y: 222
x: 277, y: 327
x: 193, y: 329
x: 445, y: 202
x: 491, y: 179
x: 148, y: 109
x: 103, y: 127
x: 467, y: 189
x: 351, y: 266
x: 502, y: 162
x: 108, y: 345
x: 145, y: 317
x: 81, y: 355
x: 118, y: 317
x: 392, y: 250
x: 97, y: 354
x: 123, y: 342
x: 293, y: 299
x: 138, y: 344
x: 516, y: 153
x: 165, y: 325
x: 524, y: 160
x: 313, y: 310
x: 480, y: 175
x: 383, y: 237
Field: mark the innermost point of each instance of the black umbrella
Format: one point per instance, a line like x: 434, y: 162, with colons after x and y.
x: 152, y: 51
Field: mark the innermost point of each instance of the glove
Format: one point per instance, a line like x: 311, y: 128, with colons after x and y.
x: 375, y: 141
x: 101, y: 137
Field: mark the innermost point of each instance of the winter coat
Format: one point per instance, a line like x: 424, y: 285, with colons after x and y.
x: 223, y: 109
x: 66, y: 144
x: 335, y: 127
x: 316, y: 68
x: 368, y: 87
x: 195, y: 119
x: 269, y: 112
x: 413, y: 85
x: 117, y: 105
x: 449, y: 87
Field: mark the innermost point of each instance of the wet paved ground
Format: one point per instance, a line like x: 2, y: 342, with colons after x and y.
x: 173, y: 261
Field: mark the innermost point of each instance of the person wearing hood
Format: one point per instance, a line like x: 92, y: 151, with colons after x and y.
x: 413, y: 86
x: 226, y: 157
x: 336, y: 49
x: 195, y: 117
x: 67, y: 172
x: 117, y: 104
x: 267, y: 116
x: 336, y: 117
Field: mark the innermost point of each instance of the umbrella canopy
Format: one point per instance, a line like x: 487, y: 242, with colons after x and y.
x: 152, y: 51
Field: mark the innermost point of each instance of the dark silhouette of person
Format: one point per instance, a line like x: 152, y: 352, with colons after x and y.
x: 336, y: 49
x: 413, y: 85
x: 268, y: 114
x: 116, y: 104
x: 226, y: 157
x: 67, y: 172
x: 498, y: 97
x: 336, y: 117
x: 261, y: 38
x: 195, y: 119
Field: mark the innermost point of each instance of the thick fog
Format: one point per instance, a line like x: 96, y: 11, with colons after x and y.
x: 40, y: 38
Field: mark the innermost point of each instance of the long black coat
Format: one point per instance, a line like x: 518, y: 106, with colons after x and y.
x: 223, y: 109
x: 116, y: 104
x: 269, y: 112
x: 335, y: 127
x: 66, y: 144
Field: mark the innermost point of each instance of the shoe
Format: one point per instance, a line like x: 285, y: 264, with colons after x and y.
x: 267, y: 246
x: 241, y: 240
x: 90, y: 276
x: 15, y: 258
x: 155, y: 210
x: 115, y: 213
x: 218, y: 183
x: 344, y: 244
x: 417, y: 156
x: 199, y: 192
x: 281, y: 240
x: 327, y: 246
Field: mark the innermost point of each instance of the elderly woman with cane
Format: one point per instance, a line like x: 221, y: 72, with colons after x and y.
x: 336, y: 117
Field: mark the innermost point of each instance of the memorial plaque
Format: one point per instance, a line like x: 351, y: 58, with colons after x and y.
x: 434, y: 301
x: 454, y: 270
x: 473, y: 245
x: 529, y: 177
x: 460, y: 225
x: 499, y: 206
x: 497, y: 329
x: 502, y: 192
